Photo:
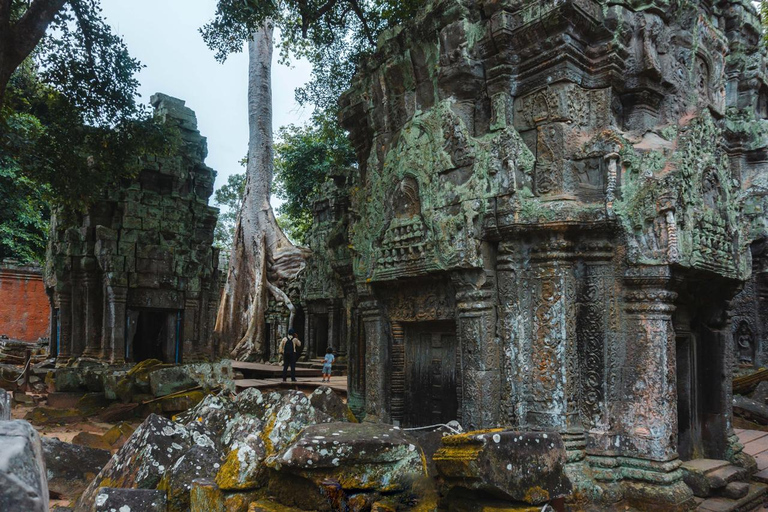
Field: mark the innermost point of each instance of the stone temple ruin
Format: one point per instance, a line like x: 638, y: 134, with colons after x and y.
x: 557, y: 205
x: 137, y: 277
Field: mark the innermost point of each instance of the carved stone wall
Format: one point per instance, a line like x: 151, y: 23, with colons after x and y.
x: 573, y: 185
x: 136, y: 276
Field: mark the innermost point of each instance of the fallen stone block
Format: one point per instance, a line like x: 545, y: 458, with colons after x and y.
x: 359, y: 456
x: 145, y: 457
x: 200, y: 462
x: 117, y: 412
x: 23, y: 485
x: 5, y: 405
x: 50, y: 416
x: 526, y: 467
x: 208, y: 376
x: 326, y: 400
x: 760, y: 395
x: 284, y: 415
x: 129, y: 500
x: 180, y: 402
x: 70, y: 467
x: 64, y: 399
x: 750, y: 409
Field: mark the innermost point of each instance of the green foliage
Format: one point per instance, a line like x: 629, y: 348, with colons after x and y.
x: 229, y: 197
x: 305, y: 158
x: 24, y: 211
x: 331, y: 34
x: 80, y: 58
x: 763, y: 10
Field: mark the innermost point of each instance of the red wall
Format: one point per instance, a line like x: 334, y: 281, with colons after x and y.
x: 24, y: 307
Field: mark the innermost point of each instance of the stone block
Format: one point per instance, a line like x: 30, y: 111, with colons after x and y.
x: 23, y: 485
x: 152, y: 449
x: 64, y: 399
x: 209, y: 376
x: 361, y: 456
x: 145, y: 500
x: 70, y: 467
x: 5, y: 405
x: 527, y: 467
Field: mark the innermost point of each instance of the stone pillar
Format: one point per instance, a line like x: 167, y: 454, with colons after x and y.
x: 480, y: 349
x: 78, y: 316
x: 307, y: 334
x: 510, y: 332
x: 647, y: 419
x: 64, y: 299
x: 376, y: 362
x: 553, y: 396
x: 332, y: 330
x: 114, y: 324
x: 93, y: 325
x: 190, y: 347
x: 397, y: 378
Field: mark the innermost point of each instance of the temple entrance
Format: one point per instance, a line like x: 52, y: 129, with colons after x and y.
x: 153, y: 334
x: 431, y: 383
x: 700, y: 342
x: 320, y: 328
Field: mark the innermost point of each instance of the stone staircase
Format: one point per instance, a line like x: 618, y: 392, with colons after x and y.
x: 719, y: 486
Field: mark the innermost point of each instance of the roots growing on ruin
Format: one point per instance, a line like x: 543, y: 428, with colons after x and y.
x: 263, y: 259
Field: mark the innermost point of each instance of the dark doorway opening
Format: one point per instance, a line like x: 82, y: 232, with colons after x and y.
x: 431, y: 363
x: 153, y: 334
x: 320, y: 329
x: 701, y: 337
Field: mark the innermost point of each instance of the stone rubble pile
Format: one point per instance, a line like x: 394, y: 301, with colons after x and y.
x: 287, y: 451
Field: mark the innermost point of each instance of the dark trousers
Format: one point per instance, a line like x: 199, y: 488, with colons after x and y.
x: 289, y: 360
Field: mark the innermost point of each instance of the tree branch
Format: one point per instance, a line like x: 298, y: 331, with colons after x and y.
x: 361, y: 16
x: 28, y: 31
x: 5, y: 15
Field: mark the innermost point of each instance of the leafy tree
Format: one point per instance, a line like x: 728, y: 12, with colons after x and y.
x: 263, y: 259
x: 230, y: 197
x: 77, y: 52
x: 69, y: 122
x: 305, y: 157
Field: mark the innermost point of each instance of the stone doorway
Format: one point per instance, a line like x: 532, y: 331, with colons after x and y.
x: 153, y: 334
x: 320, y: 328
x: 701, y: 341
x: 431, y: 387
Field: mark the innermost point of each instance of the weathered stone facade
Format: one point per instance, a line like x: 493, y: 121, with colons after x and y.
x: 552, y: 215
x: 137, y: 277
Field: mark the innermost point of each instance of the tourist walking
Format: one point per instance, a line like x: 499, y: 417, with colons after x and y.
x: 289, y: 349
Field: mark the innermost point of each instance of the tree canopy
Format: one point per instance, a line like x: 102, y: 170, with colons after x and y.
x: 331, y: 34
x: 70, y: 124
x: 305, y: 157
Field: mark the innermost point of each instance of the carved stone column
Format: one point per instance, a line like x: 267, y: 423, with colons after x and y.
x: 191, y: 348
x: 510, y: 332
x: 78, y: 315
x: 332, y: 330
x: 114, y: 324
x: 480, y: 349
x: 64, y: 304
x: 93, y: 309
x: 647, y: 418
x: 397, y: 378
x: 376, y: 361
x: 553, y: 395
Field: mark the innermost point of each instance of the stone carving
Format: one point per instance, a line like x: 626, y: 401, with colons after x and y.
x: 144, y: 252
x: 558, y: 181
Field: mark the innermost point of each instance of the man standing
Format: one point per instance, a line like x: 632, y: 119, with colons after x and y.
x: 289, y: 348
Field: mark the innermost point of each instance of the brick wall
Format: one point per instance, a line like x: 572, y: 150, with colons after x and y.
x: 24, y: 306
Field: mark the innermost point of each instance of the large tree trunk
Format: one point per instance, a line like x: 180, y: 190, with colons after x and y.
x: 263, y: 259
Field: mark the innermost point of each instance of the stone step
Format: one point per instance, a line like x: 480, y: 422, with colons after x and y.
x: 706, y: 476
x: 734, y: 490
x: 754, y: 499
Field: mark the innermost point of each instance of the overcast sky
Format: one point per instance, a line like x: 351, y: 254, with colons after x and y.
x: 163, y: 35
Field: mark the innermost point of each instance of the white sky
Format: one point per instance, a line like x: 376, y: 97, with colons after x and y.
x: 163, y: 35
